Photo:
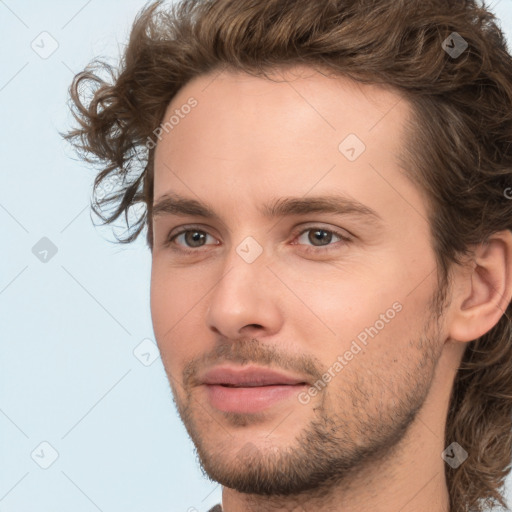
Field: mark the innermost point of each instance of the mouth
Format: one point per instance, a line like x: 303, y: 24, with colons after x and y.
x: 252, y: 376
x: 249, y: 389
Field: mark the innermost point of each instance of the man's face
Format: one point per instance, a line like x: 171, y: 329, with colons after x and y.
x: 338, y: 302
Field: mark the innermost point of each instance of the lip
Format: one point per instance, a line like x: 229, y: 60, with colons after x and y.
x: 249, y: 377
x: 249, y: 389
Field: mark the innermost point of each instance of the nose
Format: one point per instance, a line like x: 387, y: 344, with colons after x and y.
x: 245, y: 301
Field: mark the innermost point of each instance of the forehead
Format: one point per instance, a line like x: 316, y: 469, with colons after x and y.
x: 285, y: 134
x: 293, y: 108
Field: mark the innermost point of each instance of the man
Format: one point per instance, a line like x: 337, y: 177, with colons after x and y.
x: 327, y: 187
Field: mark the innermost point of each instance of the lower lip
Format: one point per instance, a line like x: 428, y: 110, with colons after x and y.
x: 250, y: 399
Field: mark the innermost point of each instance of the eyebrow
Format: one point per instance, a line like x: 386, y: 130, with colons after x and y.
x: 174, y: 204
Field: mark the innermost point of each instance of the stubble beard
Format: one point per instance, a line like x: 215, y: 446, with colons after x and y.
x: 353, y: 428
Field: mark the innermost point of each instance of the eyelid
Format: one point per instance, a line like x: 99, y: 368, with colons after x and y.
x: 189, y: 227
x: 342, y: 233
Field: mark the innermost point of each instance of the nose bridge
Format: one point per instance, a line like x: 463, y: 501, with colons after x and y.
x: 243, y: 295
x: 244, y: 268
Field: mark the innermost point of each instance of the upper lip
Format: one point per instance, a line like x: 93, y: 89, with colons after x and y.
x: 248, y: 376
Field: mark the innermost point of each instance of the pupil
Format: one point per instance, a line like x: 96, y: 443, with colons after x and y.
x: 194, y: 236
x: 318, y: 237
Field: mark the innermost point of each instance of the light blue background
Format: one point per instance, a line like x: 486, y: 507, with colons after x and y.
x: 69, y: 327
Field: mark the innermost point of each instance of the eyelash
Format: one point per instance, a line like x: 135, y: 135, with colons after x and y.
x: 312, y: 249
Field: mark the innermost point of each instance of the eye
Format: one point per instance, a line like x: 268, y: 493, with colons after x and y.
x: 188, y: 239
x: 191, y: 240
x: 320, y: 237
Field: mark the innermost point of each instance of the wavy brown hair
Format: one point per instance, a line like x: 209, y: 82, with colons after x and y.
x: 459, y: 151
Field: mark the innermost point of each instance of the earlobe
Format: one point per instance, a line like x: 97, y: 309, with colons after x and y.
x: 486, y: 290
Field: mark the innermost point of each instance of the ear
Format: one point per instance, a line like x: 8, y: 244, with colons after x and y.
x: 484, y: 289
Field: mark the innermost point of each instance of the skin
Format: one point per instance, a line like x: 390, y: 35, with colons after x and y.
x: 372, y: 439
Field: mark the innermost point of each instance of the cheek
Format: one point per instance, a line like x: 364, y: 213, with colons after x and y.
x: 359, y: 310
x: 177, y: 314
x: 173, y: 294
x: 166, y: 310
x: 336, y: 297
x: 162, y: 302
